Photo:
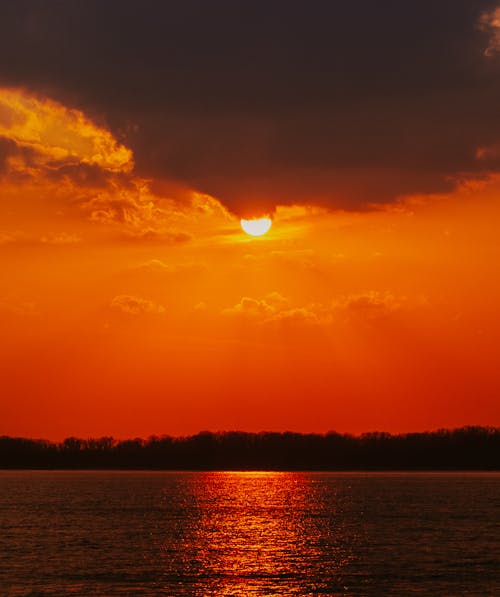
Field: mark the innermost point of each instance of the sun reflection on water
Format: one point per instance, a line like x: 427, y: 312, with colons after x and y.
x: 257, y: 533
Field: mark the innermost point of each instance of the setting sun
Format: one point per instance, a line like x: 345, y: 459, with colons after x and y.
x: 256, y: 227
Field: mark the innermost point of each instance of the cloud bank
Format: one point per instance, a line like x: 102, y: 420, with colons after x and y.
x: 344, y: 104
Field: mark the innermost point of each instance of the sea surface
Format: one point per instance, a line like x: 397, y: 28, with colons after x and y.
x: 241, y: 533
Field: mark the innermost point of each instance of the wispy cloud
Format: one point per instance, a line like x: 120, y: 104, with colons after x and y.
x: 47, y: 149
x: 135, y: 305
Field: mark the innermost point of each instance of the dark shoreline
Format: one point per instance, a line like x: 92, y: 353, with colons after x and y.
x: 475, y: 449
x: 450, y: 472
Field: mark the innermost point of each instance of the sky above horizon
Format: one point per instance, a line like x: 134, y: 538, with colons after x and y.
x: 133, y: 138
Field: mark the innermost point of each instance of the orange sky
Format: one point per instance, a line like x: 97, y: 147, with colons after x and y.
x: 132, y: 307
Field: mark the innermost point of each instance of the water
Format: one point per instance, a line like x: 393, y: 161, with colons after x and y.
x: 163, y: 533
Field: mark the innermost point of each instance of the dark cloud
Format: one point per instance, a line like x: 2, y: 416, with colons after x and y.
x: 10, y: 150
x: 82, y: 175
x: 258, y: 102
x: 7, y: 149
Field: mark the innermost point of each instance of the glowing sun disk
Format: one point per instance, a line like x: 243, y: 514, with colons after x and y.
x: 256, y: 227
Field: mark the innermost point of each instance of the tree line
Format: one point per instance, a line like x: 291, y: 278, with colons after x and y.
x: 467, y: 448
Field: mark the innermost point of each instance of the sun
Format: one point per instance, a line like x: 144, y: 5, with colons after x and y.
x: 256, y: 227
